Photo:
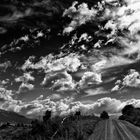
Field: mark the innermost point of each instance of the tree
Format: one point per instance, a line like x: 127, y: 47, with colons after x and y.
x: 104, y: 115
x: 128, y: 110
x: 77, y: 114
x: 130, y: 114
x: 47, y: 116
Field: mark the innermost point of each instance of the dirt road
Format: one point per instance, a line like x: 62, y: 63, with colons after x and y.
x: 115, y: 130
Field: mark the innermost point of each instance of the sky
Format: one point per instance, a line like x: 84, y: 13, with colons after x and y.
x: 71, y: 56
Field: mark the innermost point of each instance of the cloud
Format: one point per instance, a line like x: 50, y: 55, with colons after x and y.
x: 55, y: 96
x: 124, y: 18
x: 84, y: 37
x: 90, y: 78
x: 63, y: 106
x: 60, y: 81
x: 115, y: 88
x: 79, y: 15
x: 3, y: 30
x: 5, y: 65
x: 5, y: 94
x: 97, y: 91
x: 132, y: 79
x: 67, y: 106
x: 25, y: 85
x: 28, y: 63
x: 16, y: 14
x: 51, y: 63
x: 121, y: 17
x: 25, y: 78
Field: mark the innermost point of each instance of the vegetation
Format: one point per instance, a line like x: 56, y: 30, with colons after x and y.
x: 131, y: 114
x: 104, y: 115
x: 72, y: 127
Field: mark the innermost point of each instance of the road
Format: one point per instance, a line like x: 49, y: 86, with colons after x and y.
x: 115, y: 130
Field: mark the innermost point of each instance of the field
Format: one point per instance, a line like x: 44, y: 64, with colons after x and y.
x: 71, y: 128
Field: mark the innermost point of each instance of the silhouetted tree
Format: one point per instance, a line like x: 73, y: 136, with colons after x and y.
x: 130, y: 114
x: 128, y: 110
x: 77, y: 114
x: 47, y: 116
x: 104, y: 115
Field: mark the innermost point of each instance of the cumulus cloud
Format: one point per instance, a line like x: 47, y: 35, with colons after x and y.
x: 90, y: 78
x: 62, y: 107
x: 124, y: 17
x: 5, y: 94
x: 132, y: 79
x: 79, y: 15
x: 24, y: 80
x: 119, y: 16
x: 25, y: 87
x: 59, y: 81
x: 68, y: 106
x: 51, y: 63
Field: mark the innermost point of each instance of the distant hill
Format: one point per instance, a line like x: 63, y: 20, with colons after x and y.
x: 9, y: 116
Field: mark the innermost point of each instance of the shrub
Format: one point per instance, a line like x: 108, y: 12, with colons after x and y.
x: 104, y: 115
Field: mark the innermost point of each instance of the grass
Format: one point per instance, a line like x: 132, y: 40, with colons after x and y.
x: 71, y: 128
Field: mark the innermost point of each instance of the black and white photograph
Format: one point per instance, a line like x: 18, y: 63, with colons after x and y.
x: 69, y: 69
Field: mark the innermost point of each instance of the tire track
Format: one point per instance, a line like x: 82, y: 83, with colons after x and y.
x: 115, y: 130
x: 123, y: 132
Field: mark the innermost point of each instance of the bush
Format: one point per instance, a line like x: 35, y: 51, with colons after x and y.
x: 47, y: 116
x: 57, y: 128
x: 104, y: 115
x: 131, y: 114
x: 128, y: 110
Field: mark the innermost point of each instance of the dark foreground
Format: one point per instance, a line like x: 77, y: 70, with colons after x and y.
x: 70, y: 128
x: 115, y: 130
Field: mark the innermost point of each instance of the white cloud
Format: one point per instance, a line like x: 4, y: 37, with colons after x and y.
x: 25, y: 38
x: 5, y: 94
x: 55, y: 96
x: 85, y: 37
x: 90, y: 78
x: 132, y: 79
x: 25, y: 85
x: 97, y: 91
x: 116, y: 88
x: 25, y: 78
x: 59, y: 81
x: 51, y: 63
x: 67, y: 106
x: 124, y: 16
x: 28, y: 63
x: 79, y: 16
